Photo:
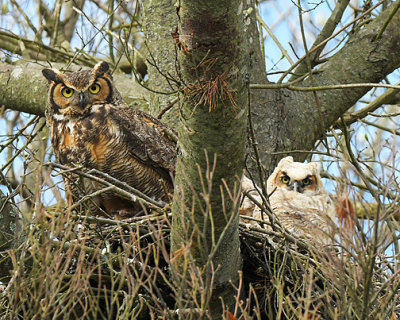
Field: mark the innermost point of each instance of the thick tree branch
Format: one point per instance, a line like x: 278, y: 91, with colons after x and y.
x: 161, y: 53
x: 390, y: 96
x: 364, y: 59
x: 326, y: 32
x: 23, y: 88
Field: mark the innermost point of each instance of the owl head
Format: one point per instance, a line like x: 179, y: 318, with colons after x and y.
x: 73, y: 94
x: 295, y: 176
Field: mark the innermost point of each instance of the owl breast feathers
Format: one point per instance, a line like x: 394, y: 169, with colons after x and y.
x: 297, y: 198
x: 91, y: 126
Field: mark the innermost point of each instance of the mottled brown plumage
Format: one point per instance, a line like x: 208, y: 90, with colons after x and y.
x: 93, y: 127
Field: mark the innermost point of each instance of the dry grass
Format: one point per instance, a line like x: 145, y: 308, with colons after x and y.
x: 72, y: 266
x: 77, y: 267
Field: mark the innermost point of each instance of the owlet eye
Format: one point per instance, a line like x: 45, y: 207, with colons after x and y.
x: 94, y: 88
x: 67, y: 92
x: 307, y: 181
x: 285, y: 179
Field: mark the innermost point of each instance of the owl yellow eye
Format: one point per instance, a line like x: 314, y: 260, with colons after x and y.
x: 285, y: 179
x: 67, y: 92
x: 94, y: 88
x: 307, y: 181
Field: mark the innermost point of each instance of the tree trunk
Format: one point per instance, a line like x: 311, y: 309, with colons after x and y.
x: 159, y: 22
x: 212, y: 136
x: 10, y: 231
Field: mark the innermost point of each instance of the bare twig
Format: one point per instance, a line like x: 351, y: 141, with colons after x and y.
x: 118, y: 186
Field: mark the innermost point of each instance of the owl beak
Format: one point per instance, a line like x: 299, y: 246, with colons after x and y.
x: 296, y: 186
x: 82, y: 100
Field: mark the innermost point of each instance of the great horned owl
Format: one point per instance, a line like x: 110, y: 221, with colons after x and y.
x: 297, y: 198
x: 91, y: 126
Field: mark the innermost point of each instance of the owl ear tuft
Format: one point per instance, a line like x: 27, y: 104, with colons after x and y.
x: 101, y: 68
x: 288, y: 159
x: 52, y: 75
x: 316, y: 166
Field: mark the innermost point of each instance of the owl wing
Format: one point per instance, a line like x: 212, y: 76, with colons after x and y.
x: 146, y: 139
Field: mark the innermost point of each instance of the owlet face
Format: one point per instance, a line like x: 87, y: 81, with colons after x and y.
x: 73, y: 94
x: 299, y: 184
x: 295, y: 176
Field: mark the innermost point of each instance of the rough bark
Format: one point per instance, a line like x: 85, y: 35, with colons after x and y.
x: 212, y: 67
x: 9, y: 231
x: 159, y: 23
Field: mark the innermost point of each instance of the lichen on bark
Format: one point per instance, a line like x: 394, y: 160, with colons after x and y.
x: 212, y: 136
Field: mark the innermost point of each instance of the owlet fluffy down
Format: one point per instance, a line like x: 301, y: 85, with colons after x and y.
x: 297, y: 198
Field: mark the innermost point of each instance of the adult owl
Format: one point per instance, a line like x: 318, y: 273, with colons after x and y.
x: 297, y: 198
x: 91, y: 126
